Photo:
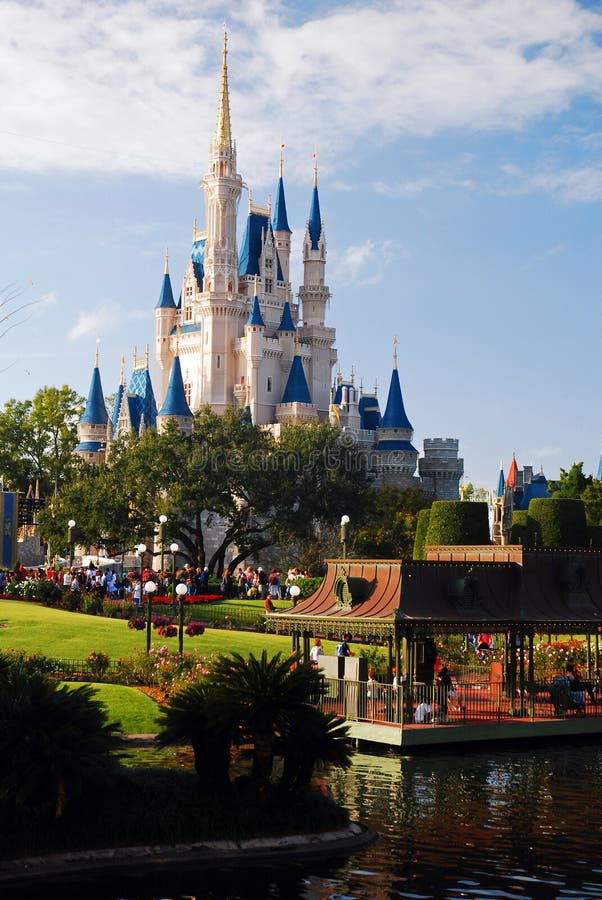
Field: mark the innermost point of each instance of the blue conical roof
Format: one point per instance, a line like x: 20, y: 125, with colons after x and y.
x: 314, y: 223
x: 296, y: 390
x: 95, y: 412
x: 280, y: 219
x: 501, y: 484
x: 395, y: 414
x: 117, y: 406
x: 286, y: 322
x: 141, y: 386
x: 255, y: 317
x: 175, y: 403
x: 166, y: 300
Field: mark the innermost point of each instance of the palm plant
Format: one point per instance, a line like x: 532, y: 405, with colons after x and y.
x: 316, y: 739
x: 57, y: 740
x: 191, y: 715
x: 263, y: 698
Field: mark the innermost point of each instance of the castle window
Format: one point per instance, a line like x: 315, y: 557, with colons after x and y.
x: 188, y: 314
x: 218, y: 362
x: 189, y: 291
x: 188, y: 391
x: 268, y: 285
x: 268, y: 263
x: 269, y: 385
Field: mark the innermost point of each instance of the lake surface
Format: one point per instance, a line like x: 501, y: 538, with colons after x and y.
x: 498, y: 825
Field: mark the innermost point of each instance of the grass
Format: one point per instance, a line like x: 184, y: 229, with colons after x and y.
x: 136, y: 712
x: 65, y: 635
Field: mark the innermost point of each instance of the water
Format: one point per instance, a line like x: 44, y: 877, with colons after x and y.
x: 524, y: 824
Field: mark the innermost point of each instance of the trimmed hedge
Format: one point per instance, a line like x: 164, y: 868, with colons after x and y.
x: 559, y: 522
x: 554, y: 522
x: 422, y: 525
x: 458, y: 522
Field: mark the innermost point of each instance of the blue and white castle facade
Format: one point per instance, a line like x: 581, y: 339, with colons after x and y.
x: 237, y: 337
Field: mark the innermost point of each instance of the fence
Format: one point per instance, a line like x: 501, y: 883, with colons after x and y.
x: 467, y: 703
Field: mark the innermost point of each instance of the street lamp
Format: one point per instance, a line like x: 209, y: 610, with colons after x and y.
x: 294, y: 592
x: 181, y: 591
x: 150, y: 587
x: 70, y: 526
x: 344, y: 524
x: 173, y: 549
x: 162, y: 521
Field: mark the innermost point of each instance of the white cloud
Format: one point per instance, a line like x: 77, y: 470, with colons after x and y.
x: 580, y: 184
x: 103, y: 320
x: 130, y: 86
x: 363, y: 264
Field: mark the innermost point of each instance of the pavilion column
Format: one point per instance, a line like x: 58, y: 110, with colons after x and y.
x: 306, y: 637
x: 531, y: 671
x: 400, y: 681
x: 511, y: 668
x: 521, y: 672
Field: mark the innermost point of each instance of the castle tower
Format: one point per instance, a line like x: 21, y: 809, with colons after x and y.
x: 165, y: 320
x: 93, y: 427
x: 440, y: 469
x: 282, y: 233
x: 220, y: 308
x: 502, y: 510
x: 314, y: 295
x: 296, y: 406
x: 175, y: 407
x: 138, y: 408
x: 395, y: 456
x: 254, y: 334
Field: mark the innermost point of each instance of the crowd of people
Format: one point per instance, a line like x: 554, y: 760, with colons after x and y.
x: 254, y: 582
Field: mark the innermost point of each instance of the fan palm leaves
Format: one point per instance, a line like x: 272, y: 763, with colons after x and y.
x: 57, y: 740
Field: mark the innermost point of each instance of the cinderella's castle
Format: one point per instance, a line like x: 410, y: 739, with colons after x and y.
x: 237, y: 337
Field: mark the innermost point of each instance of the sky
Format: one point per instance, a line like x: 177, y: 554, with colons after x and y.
x: 459, y: 149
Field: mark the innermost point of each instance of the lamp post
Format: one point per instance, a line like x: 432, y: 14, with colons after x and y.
x: 150, y: 587
x: 344, y: 524
x: 181, y: 591
x: 162, y: 521
x: 70, y: 526
x: 173, y: 548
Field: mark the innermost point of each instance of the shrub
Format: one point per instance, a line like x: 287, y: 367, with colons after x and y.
x: 167, y: 630
x: 98, y: 662
x: 58, y: 741
x: 559, y: 522
x: 422, y: 525
x: 458, y: 522
x: 137, y: 622
x: 194, y: 629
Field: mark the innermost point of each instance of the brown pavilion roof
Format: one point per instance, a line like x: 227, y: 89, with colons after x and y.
x: 464, y: 589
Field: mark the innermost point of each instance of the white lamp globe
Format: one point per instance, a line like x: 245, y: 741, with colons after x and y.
x: 345, y: 520
x: 150, y: 587
x: 174, y: 548
x: 294, y: 590
x: 181, y: 589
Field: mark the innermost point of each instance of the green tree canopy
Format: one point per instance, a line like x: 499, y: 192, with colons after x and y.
x: 391, y: 517
x: 457, y: 522
x: 571, y: 484
x: 37, y: 439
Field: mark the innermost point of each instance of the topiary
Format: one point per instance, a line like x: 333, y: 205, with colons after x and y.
x: 457, y: 522
x: 558, y: 522
x: 421, y: 532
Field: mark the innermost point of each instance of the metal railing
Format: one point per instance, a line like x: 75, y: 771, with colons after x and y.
x: 468, y: 703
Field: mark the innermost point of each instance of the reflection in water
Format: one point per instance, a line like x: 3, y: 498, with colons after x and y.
x: 506, y: 824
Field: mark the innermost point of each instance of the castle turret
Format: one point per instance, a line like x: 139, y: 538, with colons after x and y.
x: 296, y: 403
x: 165, y: 319
x: 254, y: 333
x: 175, y: 406
x: 395, y: 456
x: 314, y: 295
x: 282, y: 233
x: 94, y: 425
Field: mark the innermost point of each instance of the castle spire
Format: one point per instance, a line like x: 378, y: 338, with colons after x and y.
x: 223, y: 134
x: 314, y: 223
x: 166, y: 261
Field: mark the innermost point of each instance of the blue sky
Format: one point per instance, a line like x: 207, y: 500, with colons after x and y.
x: 460, y: 170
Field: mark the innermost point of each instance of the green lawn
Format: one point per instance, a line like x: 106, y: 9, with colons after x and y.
x: 65, y: 635
x: 136, y: 712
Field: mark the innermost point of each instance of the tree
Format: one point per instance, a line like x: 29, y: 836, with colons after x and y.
x: 391, y: 518
x: 571, y: 484
x: 267, y: 703
x: 38, y: 437
x: 58, y: 741
x: 227, y: 471
x: 457, y: 522
x: 592, y: 498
